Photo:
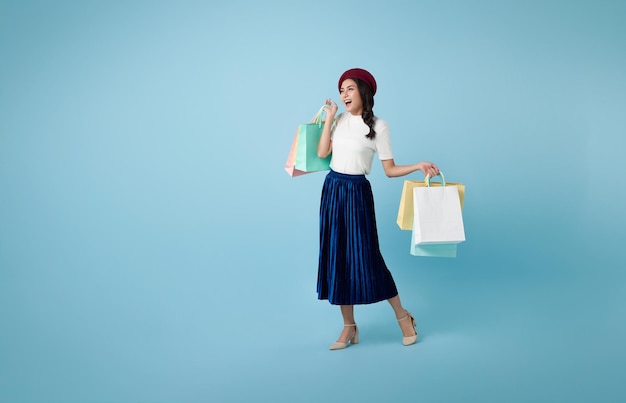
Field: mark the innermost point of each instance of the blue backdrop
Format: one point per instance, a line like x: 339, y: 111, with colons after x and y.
x: 153, y: 249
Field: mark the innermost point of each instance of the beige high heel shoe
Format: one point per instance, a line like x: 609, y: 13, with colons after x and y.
x: 339, y: 345
x: 408, y: 340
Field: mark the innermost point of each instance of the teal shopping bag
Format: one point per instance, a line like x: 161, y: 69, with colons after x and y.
x: 434, y: 250
x: 309, y: 135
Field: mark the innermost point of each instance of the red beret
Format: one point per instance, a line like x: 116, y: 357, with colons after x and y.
x: 361, y: 75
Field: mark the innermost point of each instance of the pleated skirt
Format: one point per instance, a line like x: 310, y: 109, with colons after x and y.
x: 351, y: 268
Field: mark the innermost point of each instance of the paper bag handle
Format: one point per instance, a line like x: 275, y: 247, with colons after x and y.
x: 317, y: 119
x: 443, y: 180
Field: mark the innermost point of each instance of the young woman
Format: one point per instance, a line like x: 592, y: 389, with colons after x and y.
x: 351, y: 268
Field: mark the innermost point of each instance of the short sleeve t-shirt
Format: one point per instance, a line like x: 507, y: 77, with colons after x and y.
x: 353, y: 152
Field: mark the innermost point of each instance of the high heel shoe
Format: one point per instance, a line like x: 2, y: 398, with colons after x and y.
x: 408, y: 340
x: 339, y: 345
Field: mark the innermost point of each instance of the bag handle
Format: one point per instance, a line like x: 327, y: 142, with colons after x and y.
x: 317, y: 119
x: 443, y: 180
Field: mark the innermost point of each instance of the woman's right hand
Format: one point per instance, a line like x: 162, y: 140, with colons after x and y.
x: 330, y: 108
x: 325, y: 145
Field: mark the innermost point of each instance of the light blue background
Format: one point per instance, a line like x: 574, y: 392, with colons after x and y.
x: 153, y: 249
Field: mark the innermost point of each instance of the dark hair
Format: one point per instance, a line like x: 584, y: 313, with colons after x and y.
x: 367, y: 97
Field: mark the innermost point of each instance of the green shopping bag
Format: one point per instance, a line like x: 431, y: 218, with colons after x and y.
x: 434, y: 250
x: 309, y: 135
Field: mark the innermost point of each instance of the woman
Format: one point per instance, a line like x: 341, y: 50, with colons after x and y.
x: 351, y: 268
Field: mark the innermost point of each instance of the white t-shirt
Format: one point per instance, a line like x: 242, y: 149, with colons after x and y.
x: 353, y: 152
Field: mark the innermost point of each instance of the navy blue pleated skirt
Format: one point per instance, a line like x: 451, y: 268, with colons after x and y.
x: 351, y: 268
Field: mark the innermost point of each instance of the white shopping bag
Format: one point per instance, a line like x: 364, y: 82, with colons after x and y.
x: 437, y: 217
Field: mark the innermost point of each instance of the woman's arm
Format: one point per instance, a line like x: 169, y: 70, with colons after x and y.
x: 325, y: 146
x: 393, y: 171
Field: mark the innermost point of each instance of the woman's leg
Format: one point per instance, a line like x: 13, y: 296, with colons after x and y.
x: 347, y: 311
x: 406, y: 325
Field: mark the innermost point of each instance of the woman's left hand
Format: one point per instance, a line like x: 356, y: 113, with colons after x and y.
x: 428, y: 168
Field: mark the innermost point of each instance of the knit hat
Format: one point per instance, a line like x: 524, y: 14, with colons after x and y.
x: 361, y: 75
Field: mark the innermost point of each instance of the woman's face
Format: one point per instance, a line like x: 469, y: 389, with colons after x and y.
x: 350, y: 96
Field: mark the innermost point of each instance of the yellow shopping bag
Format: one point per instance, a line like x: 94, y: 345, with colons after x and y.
x: 405, y: 212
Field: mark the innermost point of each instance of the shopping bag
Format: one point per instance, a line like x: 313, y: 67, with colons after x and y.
x: 302, y: 158
x: 437, y: 216
x: 434, y: 250
x: 290, y: 165
x: 309, y: 135
x: 405, y: 211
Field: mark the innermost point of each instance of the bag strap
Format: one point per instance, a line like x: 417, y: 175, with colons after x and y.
x: 317, y: 119
x: 443, y: 179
